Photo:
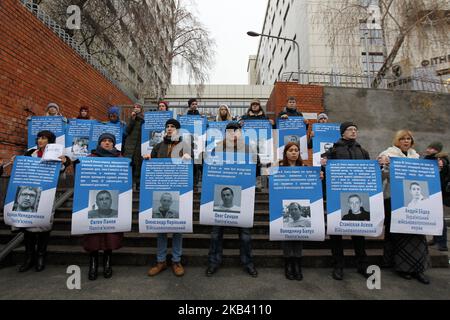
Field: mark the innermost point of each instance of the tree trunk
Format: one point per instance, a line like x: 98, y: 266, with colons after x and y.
x: 389, y: 61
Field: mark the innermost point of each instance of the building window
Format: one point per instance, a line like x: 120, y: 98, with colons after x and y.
x: 375, y: 62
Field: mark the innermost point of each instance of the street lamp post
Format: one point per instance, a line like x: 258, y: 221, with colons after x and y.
x: 256, y: 34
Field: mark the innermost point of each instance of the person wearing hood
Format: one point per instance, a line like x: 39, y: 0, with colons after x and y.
x: 408, y: 253
x: 132, y: 145
x: 223, y: 113
x: 36, y: 238
x: 84, y: 113
x: 107, y: 242
x: 234, y: 143
x: 347, y: 148
x: 172, y: 146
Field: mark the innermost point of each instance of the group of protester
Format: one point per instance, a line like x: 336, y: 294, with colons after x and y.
x: 407, y: 253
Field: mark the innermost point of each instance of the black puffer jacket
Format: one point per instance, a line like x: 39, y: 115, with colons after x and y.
x: 347, y: 150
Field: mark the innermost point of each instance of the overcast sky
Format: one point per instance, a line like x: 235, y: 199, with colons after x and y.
x: 228, y: 22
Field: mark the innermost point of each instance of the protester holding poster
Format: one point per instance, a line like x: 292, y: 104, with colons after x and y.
x: 226, y: 205
x: 321, y: 118
x: 163, y: 106
x: 292, y: 250
x: 132, y: 146
x: 173, y: 146
x: 256, y: 112
x: 107, y: 242
x: 347, y: 148
x: 408, y: 253
x: 36, y: 239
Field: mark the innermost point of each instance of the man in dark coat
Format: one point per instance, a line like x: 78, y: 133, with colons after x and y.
x: 356, y: 211
x: 347, y: 148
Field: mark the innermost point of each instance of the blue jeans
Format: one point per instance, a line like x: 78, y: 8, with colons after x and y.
x: 216, y: 247
x: 177, y: 250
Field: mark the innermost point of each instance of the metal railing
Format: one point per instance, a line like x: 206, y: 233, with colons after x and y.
x: 365, y: 81
x: 61, y: 33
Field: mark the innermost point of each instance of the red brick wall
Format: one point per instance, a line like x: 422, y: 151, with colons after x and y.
x: 309, y: 99
x: 36, y: 68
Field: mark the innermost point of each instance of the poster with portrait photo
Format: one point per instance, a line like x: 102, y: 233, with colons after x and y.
x: 103, y: 204
x: 166, y: 205
x: 416, y: 197
x: 78, y: 133
x: 355, y: 200
x: 292, y: 129
x: 166, y: 196
x: 296, y: 210
x: 31, y: 192
x: 325, y: 135
x: 153, y: 129
x: 229, y: 199
x: 55, y: 124
x: 102, y: 201
x: 355, y: 206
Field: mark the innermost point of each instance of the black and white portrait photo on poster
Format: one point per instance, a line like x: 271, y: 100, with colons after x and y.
x: 325, y: 147
x: 296, y: 214
x: 27, y: 199
x: 355, y: 206
x: 155, y: 137
x: 166, y: 205
x: 291, y: 138
x: 103, y: 204
x: 227, y: 198
x: 416, y: 193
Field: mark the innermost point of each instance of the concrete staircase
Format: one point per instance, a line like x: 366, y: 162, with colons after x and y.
x: 140, y: 249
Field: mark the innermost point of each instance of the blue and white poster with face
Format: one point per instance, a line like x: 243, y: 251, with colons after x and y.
x: 296, y: 204
x: 416, y: 197
x: 31, y: 192
x: 103, y: 199
x: 166, y: 196
x: 325, y: 135
x: 215, y: 133
x: 98, y: 128
x: 55, y: 124
x: 354, y: 198
x: 153, y: 129
x: 78, y: 133
x: 292, y: 129
x: 228, y: 192
x: 193, y: 129
x: 258, y: 135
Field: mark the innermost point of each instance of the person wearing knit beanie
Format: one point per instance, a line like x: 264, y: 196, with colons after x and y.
x: 52, y: 109
x: 163, y: 106
x: 346, y: 125
x: 107, y: 135
x: 173, y: 122
x: 434, y: 148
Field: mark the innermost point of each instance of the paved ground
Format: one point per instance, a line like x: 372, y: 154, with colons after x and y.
x: 228, y: 283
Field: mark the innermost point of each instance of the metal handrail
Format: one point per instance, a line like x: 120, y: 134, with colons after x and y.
x: 365, y: 81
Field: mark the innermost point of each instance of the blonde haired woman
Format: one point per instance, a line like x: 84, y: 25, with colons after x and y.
x: 408, y: 253
x: 223, y: 113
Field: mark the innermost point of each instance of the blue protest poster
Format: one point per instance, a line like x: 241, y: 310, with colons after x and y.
x: 98, y: 128
x: 102, y: 201
x: 296, y: 204
x: 228, y: 192
x: 325, y: 135
x: 416, y: 197
x: 54, y: 124
x: 258, y: 135
x: 78, y: 133
x: 31, y: 192
x: 166, y: 196
x: 153, y: 129
x: 292, y: 129
x: 355, y: 202
x: 193, y: 128
x: 215, y: 133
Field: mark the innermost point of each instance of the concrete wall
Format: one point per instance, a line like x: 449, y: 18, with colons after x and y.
x: 380, y: 113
